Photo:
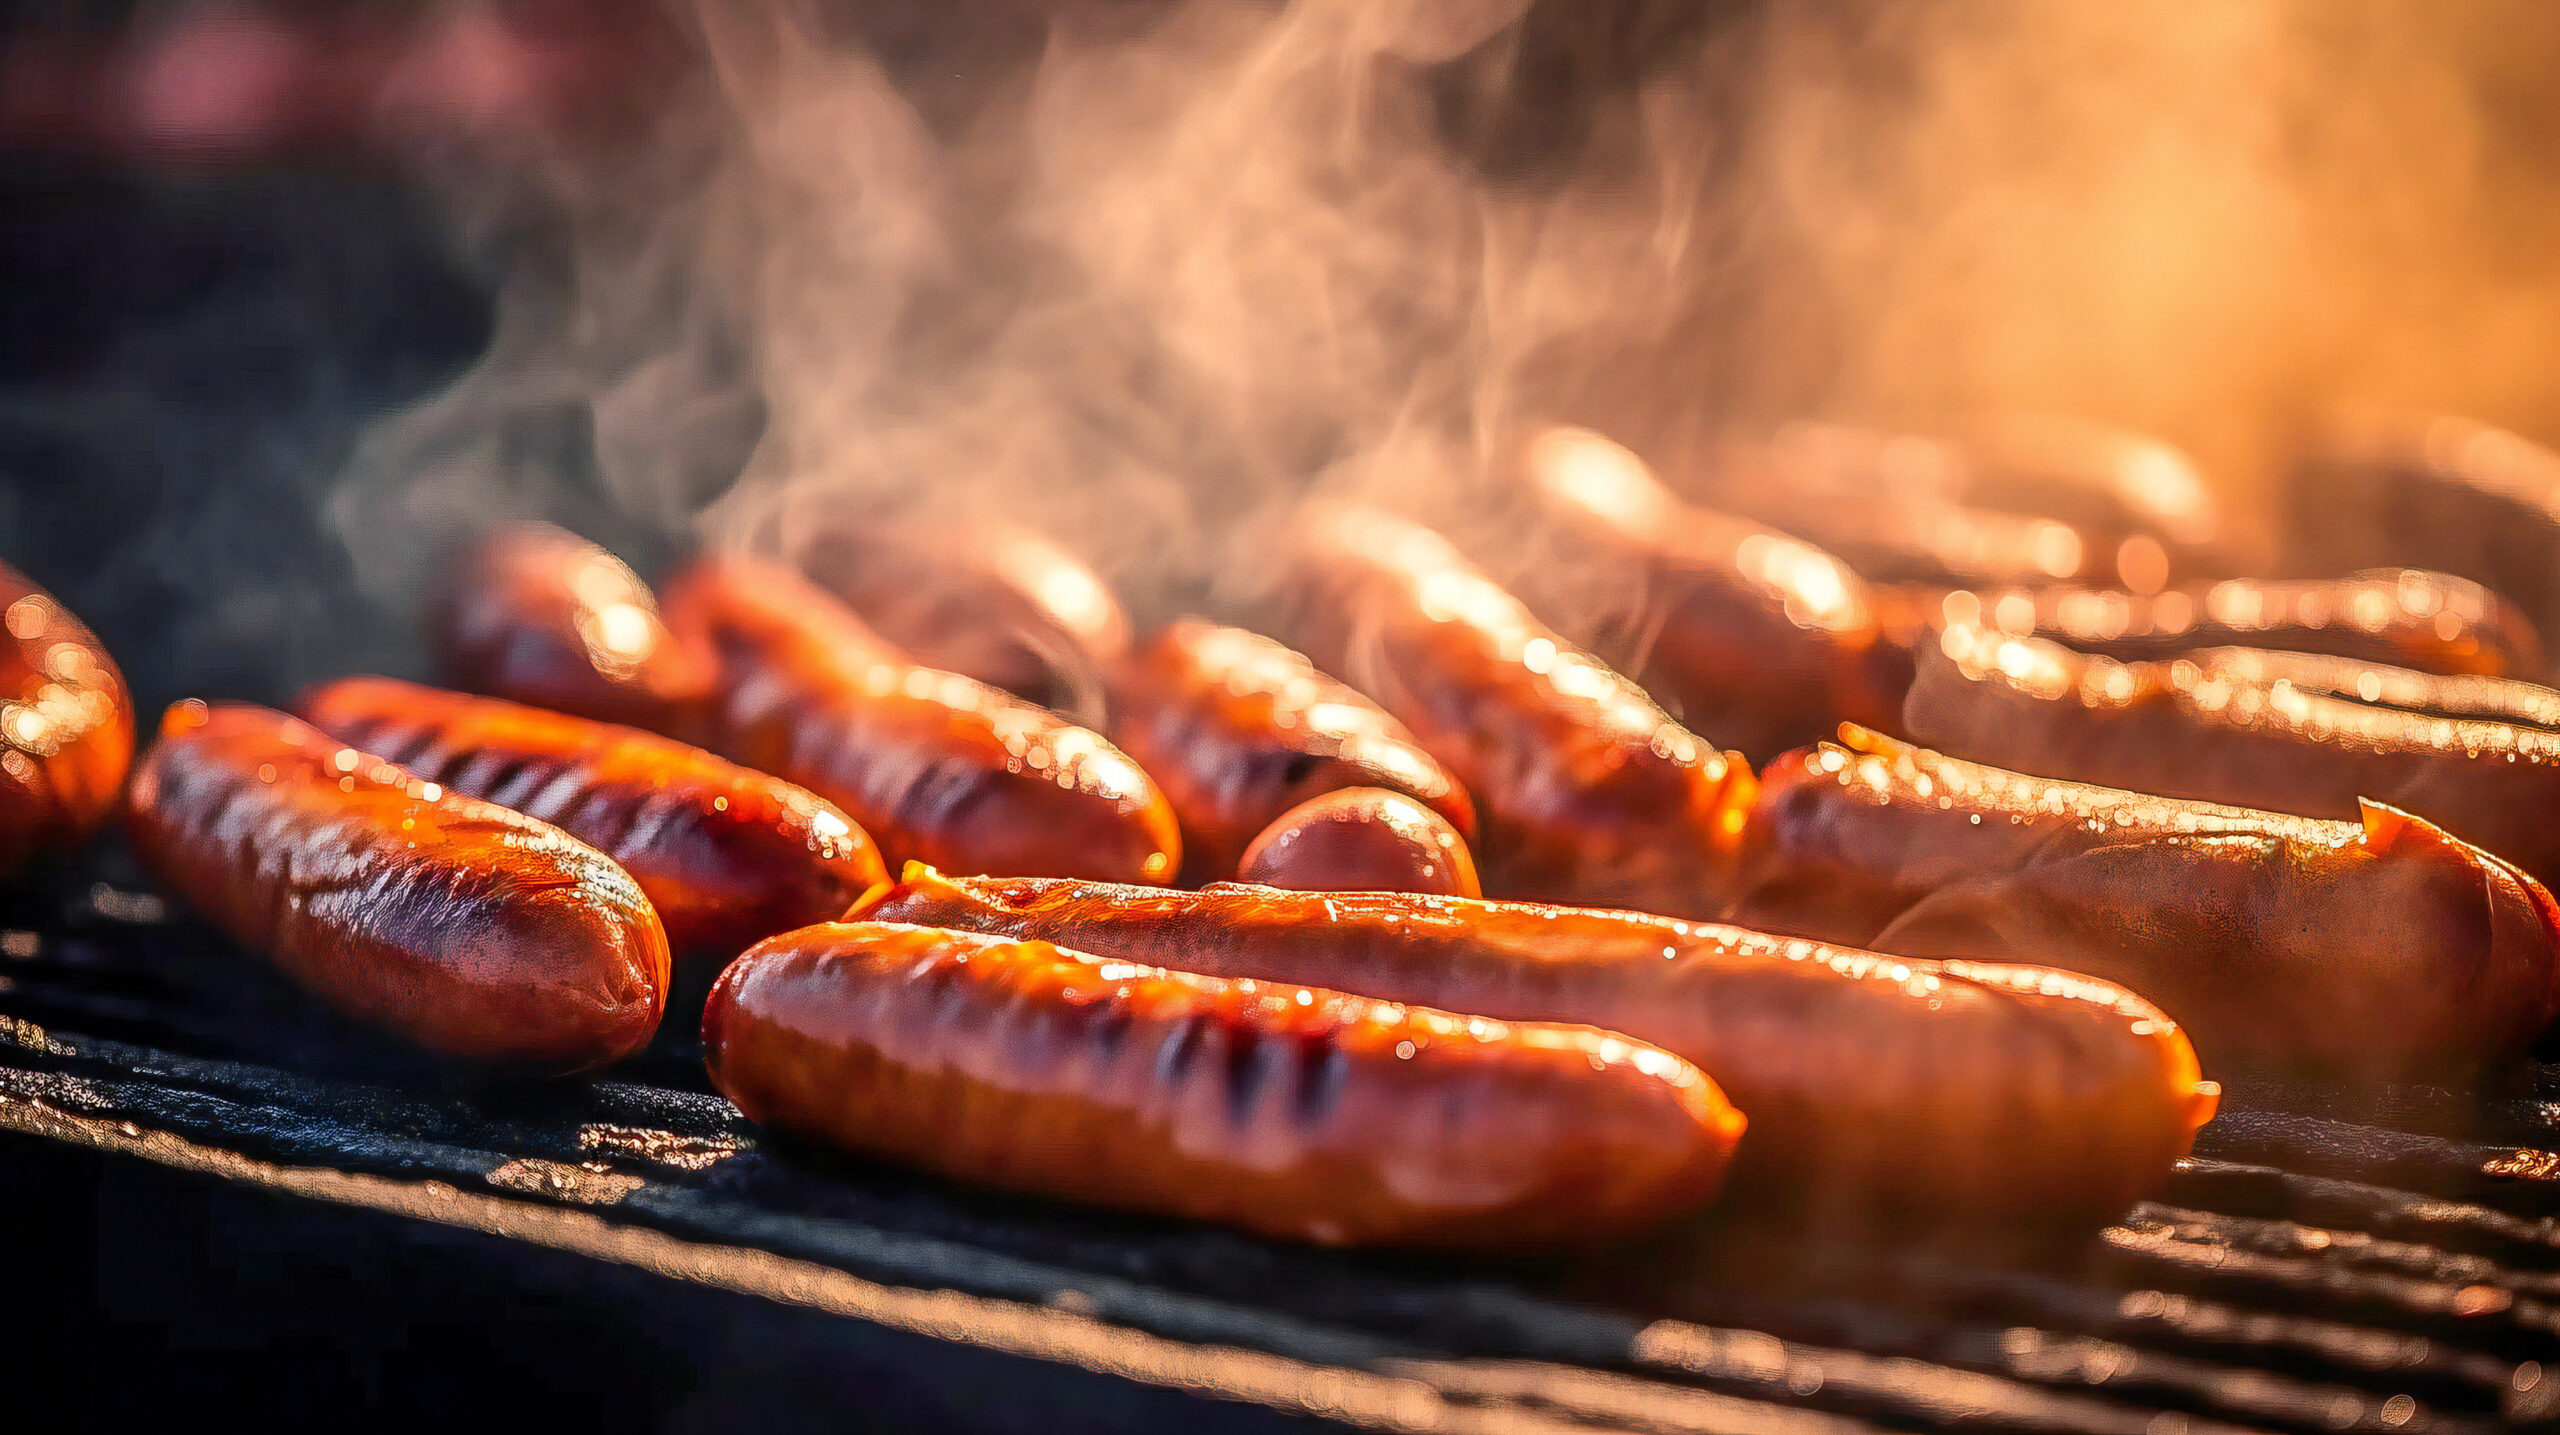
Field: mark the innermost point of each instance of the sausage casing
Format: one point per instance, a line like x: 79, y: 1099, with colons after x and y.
x: 997, y: 602
x: 2401, y: 616
x: 1292, y: 1112
x: 460, y: 925
x: 936, y: 767
x: 66, y: 726
x: 1362, y: 839
x: 2023, y: 499
x: 725, y: 855
x: 1240, y: 729
x: 2446, y: 695
x: 1893, y: 507
x: 541, y: 616
x: 1753, y: 639
x: 2448, y: 493
x: 1587, y: 791
x: 2375, y: 950
x: 2192, y: 730
x: 2141, y: 504
x: 1872, y: 1083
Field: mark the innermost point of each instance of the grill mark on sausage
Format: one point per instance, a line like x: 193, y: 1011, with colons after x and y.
x: 1181, y: 1051
x: 1252, y: 1057
x: 1034, y: 1084
x: 1322, y: 1067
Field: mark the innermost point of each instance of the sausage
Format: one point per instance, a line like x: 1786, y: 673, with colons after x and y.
x: 1240, y: 729
x: 1586, y: 789
x: 2142, y: 505
x: 2025, y: 499
x: 1361, y: 839
x: 2447, y: 493
x: 936, y: 767
x: 994, y: 601
x: 2460, y: 695
x: 1873, y: 1084
x: 1753, y: 639
x: 456, y: 924
x: 66, y: 727
x: 2401, y: 616
x: 1946, y: 546
x: 725, y: 855
x: 1296, y: 1113
x: 2182, y: 729
x: 541, y: 616
x: 2372, y: 951
x: 1893, y: 507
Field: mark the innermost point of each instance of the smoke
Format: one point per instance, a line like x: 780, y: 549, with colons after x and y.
x: 1139, y: 274
x: 2207, y: 220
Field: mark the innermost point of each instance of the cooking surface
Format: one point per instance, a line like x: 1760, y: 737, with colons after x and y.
x: 186, y: 367
x: 2301, y: 1274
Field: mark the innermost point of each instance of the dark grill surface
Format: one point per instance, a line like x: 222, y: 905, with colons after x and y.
x: 2302, y: 1273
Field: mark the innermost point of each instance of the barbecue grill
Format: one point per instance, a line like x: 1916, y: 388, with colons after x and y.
x: 2301, y: 1272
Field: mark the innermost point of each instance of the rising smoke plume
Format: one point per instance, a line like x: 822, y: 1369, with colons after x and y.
x: 1141, y: 272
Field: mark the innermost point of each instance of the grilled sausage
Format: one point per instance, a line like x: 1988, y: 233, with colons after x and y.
x: 2427, y: 621
x: 1239, y: 729
x: 1892, y: 507
x: 1587, y: 790
x: 2505, y: 700
x: 2183, y: 729
x: 457, y: 924
x: 993, y: 601
x: 2375, y: 950
x: 2140, y: 503
x: 1361, y: 839
x: 726, y: 856
x: 66, y: 727
x: 936, y: 767
x: 1754, y: 640
x: 2026, y: 499
x: 1302, y: 1114
x: 2448, y: 494
x: 537, y: 615
x: 1872, y: 1083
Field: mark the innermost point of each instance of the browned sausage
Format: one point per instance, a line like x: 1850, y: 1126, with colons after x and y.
x: 457, y: 924
x: 2183, y: 729
x: 2448, y: 493
x: 1239, y: 730
x: 2146, y: 511
x: 1753, y: 639
x: 2023, y: 499
x: 541, y: 616
x: 2427, y: 621
x: 1893, y: 507
x: 2373, y: 951
x: 936, y: 767
x: 1298, y: 1113
x: 2449, y: 695
x: 1870, y: 1081
x: 1586, y: 789
x: 1362, y: 839
x: 726, y: 856
x: 994, y: 601
x: 66, y: 727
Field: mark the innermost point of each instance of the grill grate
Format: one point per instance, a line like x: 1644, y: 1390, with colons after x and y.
x: 2301, y: 1273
